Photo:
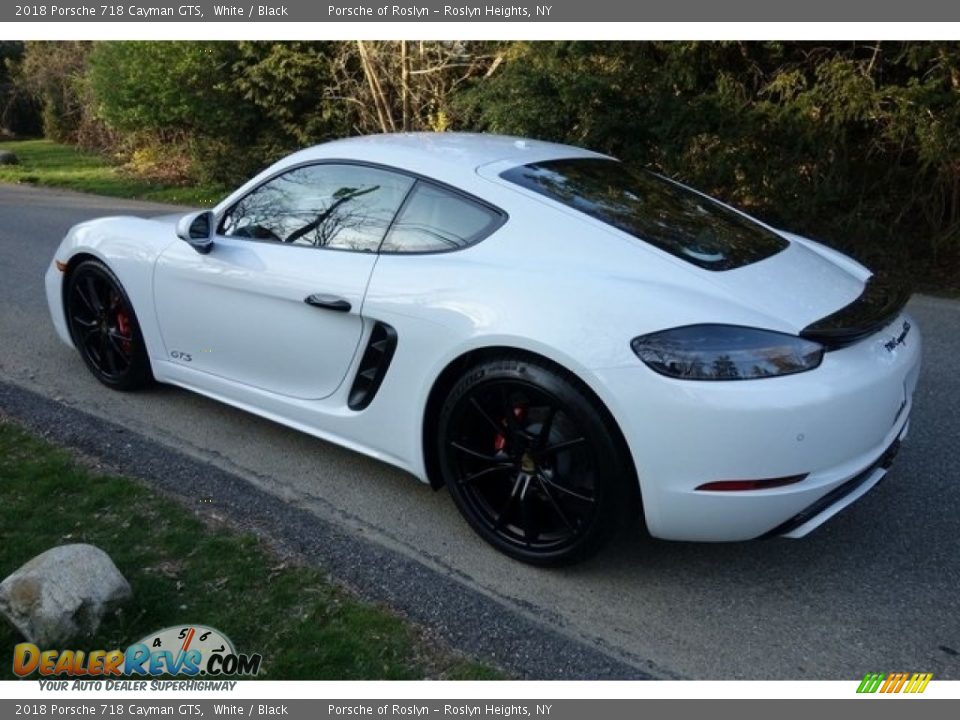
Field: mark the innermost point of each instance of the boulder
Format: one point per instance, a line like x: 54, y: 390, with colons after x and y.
x: 63, y: 594
x: 8, y: 158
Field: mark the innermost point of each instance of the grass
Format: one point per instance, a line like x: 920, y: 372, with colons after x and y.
x: 44, y: 162
x: 185, y: 570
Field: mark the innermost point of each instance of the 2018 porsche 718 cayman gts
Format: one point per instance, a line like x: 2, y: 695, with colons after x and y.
x: 559, y: 339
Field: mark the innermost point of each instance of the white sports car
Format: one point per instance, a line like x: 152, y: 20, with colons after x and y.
x: 558, y: 338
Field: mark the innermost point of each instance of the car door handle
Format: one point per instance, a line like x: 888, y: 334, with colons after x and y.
x: 328, y: 302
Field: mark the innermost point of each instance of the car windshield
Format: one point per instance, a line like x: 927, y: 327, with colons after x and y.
x: 653, y: 209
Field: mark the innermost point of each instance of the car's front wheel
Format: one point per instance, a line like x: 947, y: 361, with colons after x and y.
x: 531, y: 462
x: 104, y: 327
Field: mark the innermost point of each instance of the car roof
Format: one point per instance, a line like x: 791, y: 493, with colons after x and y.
x: 447, y: 154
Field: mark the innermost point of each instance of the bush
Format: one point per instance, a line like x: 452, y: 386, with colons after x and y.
x: 160, y: 96
x: 853, y: 143
x: 227, y: 107
x: 19, y: 111
x: 54, y: 74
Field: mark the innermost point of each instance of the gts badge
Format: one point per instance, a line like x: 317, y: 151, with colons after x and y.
x: 177, y: 355
x: 892, y: 343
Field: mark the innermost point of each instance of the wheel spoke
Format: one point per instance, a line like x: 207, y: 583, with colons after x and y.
x: 567, y: 491
x: 107, y: 353
x: 512, y: 423
x: 91, y: 338
x: 565, y: 445
x: 79, y: 293
x: 86, y: 328
x: 544, y: 437
x: 116, y: 341
x: 556, y: 506
x: 528, y: 516
x: 500, y: 521
x: 117, y: 335
x: 92, y: 298
x: 485, y: 415
x: 484, y: 472
x: 92, y: 343
x: 475, y: 453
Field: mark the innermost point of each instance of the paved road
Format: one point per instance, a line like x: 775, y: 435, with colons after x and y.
x: 877, y: 589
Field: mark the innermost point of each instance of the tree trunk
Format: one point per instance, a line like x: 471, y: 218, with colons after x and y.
x: 379, y: 99
x: 405, y: 85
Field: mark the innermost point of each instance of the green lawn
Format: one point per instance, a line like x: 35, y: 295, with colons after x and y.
x: 184, y: 570
x: 44, y: 162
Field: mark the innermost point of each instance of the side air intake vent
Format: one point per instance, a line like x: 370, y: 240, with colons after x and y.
x: 373, y: 366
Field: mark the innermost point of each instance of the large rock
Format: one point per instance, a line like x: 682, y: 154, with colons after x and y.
x: 63, y: 594
x: 8, y: 158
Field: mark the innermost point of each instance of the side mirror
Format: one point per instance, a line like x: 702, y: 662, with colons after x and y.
x: 197, y: 229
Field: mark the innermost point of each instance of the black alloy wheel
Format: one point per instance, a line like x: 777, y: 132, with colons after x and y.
x: 104, y: 327
x: 531, y: 463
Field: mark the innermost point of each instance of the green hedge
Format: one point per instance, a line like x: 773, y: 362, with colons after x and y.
x: 857, y: 144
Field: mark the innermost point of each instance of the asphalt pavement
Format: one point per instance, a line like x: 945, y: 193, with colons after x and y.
x: 876, y: 589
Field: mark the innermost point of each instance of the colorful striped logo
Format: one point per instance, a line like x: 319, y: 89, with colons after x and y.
x: 894, y: 683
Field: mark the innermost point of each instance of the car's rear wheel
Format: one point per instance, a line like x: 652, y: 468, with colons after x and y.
x: 531, y: 462
x: 104, y: 327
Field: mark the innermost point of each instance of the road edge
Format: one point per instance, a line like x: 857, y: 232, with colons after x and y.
x: 495, y: 632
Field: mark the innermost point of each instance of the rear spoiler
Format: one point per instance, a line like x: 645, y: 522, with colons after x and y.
x: 878, y: 305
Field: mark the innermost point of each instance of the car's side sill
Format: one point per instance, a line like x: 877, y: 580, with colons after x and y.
x: 267, y: 406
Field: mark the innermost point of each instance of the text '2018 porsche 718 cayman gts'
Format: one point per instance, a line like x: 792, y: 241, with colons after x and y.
x: 559, y: 339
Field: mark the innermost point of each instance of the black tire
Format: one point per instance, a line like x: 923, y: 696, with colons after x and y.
x: 532, y: 463
x: 104, y: 327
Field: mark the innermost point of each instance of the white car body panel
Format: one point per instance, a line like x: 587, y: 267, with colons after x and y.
x: 211, y: 306
x: 832, y: 423
x: 583, y: 292
x: 780, y: 286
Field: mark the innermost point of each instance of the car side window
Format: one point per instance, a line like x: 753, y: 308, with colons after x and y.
x: 346, y: 207
x: 435, y: 219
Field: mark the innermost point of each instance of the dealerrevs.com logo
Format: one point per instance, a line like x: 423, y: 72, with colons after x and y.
x: 888, y: 683
x: 182, y: 650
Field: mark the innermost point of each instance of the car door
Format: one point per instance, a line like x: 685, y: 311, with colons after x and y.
x: 276, y: 303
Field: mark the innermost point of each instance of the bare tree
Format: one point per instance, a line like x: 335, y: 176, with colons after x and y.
x: 404, y: 85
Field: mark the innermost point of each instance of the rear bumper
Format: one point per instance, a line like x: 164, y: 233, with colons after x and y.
x: 835, y: 425
x: 812, y: 517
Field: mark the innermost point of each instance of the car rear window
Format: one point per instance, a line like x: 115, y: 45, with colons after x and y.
x: 653, y: 209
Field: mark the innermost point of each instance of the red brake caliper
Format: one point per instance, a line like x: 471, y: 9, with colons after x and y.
x: 123, y: 325
x: 500, y: 440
